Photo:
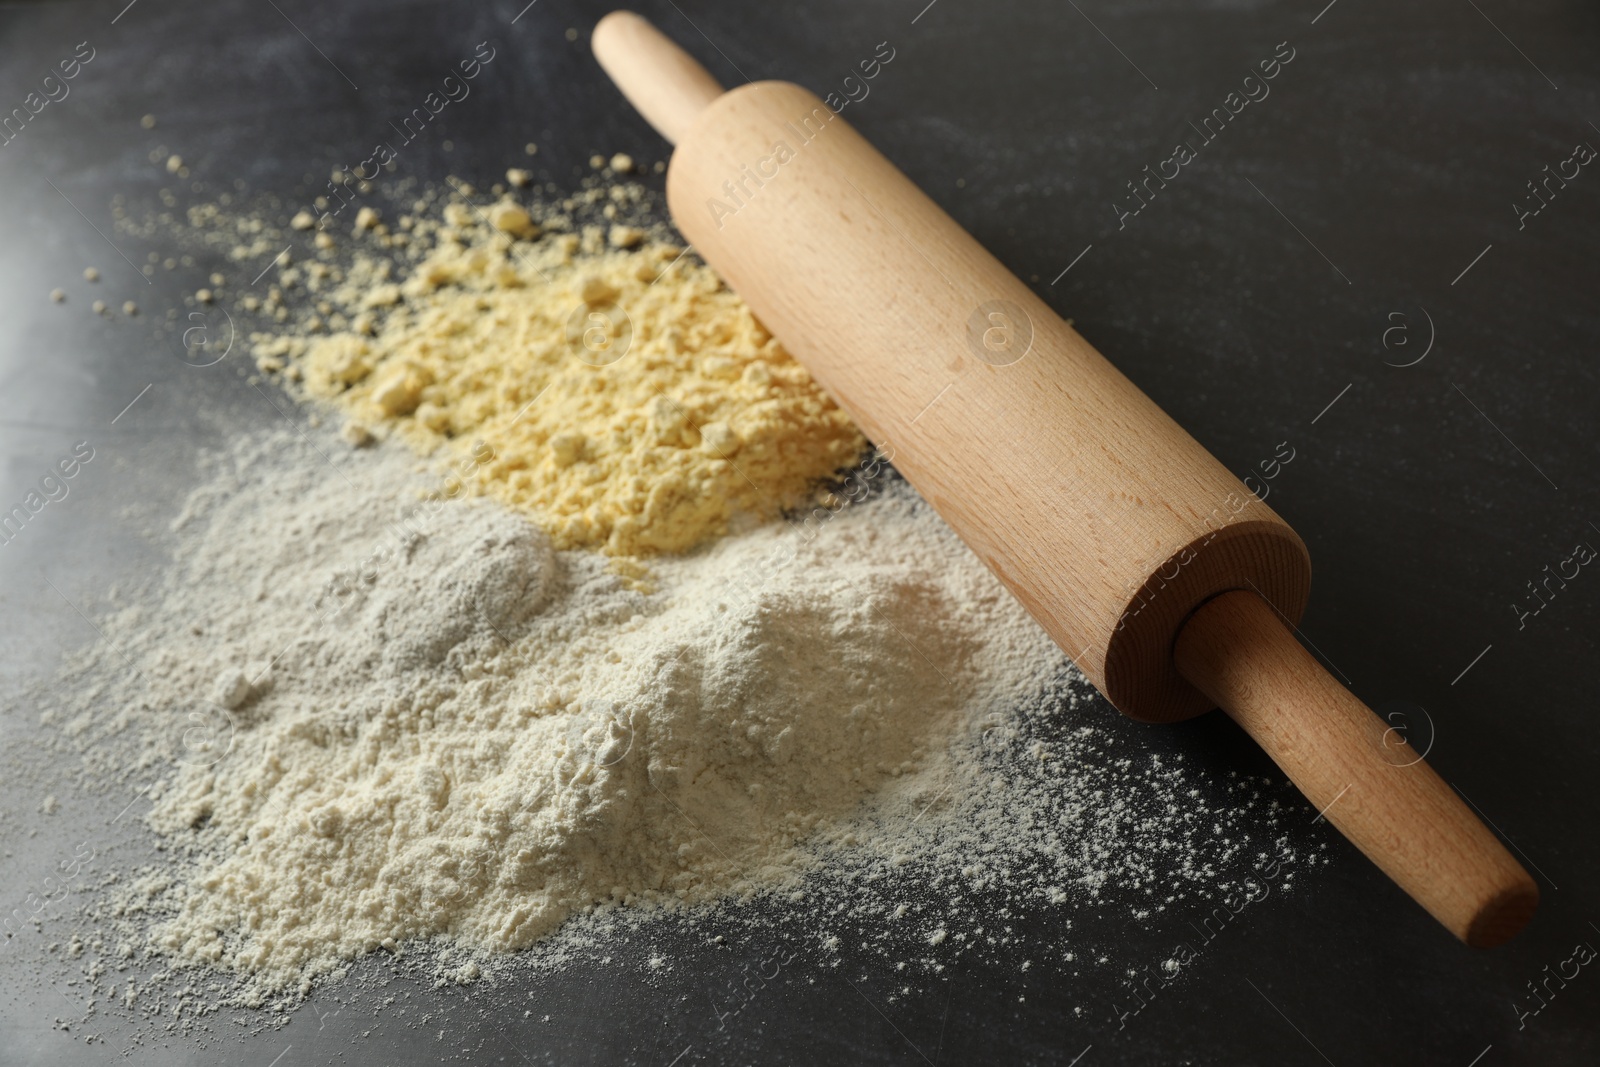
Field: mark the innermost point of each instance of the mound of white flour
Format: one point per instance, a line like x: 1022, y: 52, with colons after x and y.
x: 369, y: 716
x: 399, y: 719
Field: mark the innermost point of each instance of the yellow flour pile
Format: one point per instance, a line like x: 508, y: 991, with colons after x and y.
x: 629, y: 400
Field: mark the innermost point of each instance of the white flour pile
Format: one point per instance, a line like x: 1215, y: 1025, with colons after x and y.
x: 438, y: 726
x: 371, y: 721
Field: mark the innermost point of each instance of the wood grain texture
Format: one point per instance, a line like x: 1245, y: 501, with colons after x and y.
x: 1359, y: 773
x: 1107, y: 520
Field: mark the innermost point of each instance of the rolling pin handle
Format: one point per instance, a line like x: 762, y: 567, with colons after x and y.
x: 1360, y: 774
x: 661, y: 80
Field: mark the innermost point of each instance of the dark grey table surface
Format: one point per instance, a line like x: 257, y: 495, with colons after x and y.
x: 1344, y: 269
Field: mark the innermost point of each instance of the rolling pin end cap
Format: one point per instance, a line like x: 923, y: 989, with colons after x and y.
x: 1504, y: 915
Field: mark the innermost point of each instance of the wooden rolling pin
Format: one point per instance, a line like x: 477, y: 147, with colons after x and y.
x: 1168, y: 582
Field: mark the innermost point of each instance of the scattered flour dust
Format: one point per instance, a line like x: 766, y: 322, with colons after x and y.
x: 376, y: 711
x: 402, y: 722
x: 405, y: 719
